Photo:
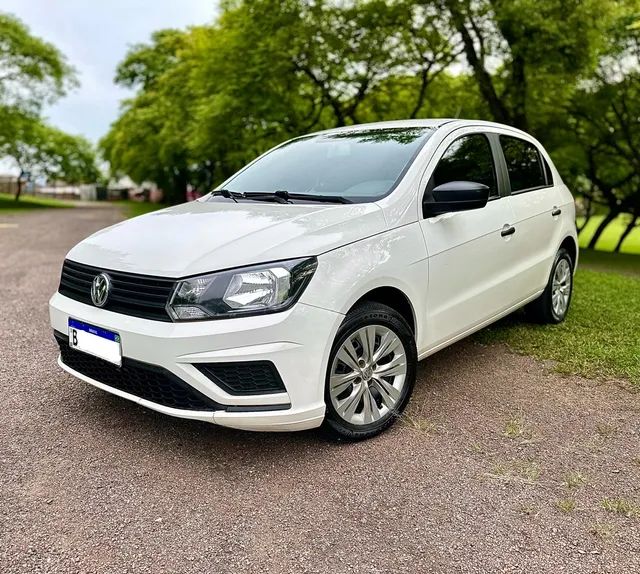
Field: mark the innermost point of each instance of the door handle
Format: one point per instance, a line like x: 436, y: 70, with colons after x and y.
x: 507, y: 230
x: 556, y: 211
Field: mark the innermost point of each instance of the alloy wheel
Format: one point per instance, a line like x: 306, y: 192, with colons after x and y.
x: 367, y: 375
x: 561, y: 288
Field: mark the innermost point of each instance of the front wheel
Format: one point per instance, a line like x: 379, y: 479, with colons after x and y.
x: 371, y: 373
x: 552, y: 306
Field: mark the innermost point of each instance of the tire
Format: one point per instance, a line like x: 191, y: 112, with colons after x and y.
x: 542, y: 310
x: 365, y: 397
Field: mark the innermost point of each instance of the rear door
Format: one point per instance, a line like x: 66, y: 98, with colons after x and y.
x: 470, y: 252
x: 534, y: 200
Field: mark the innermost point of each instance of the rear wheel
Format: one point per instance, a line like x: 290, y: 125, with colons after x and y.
x: 552, y: 306
x: 371, y: 372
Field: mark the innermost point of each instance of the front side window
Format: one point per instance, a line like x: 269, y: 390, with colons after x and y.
x: 524, y: 164
x: 469, y: 158
x: 360, y: 165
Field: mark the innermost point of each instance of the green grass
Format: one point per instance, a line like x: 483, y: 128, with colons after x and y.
x: 135, y: 208
x: 9, y: 205
x: 621, y: 506
x: 624, y: 263
x: 611, y: 235
x: 600, y: 337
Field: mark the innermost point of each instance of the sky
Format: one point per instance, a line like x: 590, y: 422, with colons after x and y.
x: 94, y: 36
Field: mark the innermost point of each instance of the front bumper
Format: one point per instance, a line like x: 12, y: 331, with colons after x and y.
x: 296, y: 341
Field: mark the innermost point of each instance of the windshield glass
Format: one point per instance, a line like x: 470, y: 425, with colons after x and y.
x: 359, y: 165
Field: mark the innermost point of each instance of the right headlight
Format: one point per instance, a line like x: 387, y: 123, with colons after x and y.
x: 244, y: 291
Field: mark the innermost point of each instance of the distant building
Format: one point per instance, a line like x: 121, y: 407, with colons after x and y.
x: 126, y: 188
x: 61, y: 190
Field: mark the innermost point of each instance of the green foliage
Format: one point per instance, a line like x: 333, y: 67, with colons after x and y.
x: 211, y: 98
x: 600, y: 337
x: 33, y: 73
x: 46, y: 151
x: 543, y: 47
x: 149, y: 140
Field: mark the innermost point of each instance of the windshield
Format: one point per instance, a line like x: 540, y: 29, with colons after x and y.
x: 359, y: 165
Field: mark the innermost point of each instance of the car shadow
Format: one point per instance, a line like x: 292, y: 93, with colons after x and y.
x: 120, y: 421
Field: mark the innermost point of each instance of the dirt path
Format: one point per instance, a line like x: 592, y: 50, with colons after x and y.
x: 93, y: 483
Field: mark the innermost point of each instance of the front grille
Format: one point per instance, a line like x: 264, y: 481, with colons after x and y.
x: 146, y: 381
x: 244, y: 378
x: 136, y: 295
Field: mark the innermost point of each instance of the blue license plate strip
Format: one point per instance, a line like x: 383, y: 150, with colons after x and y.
x: 80, y: 326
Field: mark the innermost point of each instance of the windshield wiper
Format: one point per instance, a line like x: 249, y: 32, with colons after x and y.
x: 279, y: 196
x: 228, y: 194
x: 253, y: 195
x: 287, y: 196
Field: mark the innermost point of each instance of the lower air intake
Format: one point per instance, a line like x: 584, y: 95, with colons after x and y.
x: 244, y: 378
x: 145, y: 381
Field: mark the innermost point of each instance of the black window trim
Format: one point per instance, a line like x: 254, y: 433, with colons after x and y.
x: 504, y: 168
x: 502, y: 191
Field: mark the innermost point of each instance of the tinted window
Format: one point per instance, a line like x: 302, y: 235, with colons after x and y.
x: 524, y: 164
x: 361, y: 165
x: 468, y: 158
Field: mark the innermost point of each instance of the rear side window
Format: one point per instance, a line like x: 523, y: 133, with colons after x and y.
x: 524, y: 164
x: 469, y: 158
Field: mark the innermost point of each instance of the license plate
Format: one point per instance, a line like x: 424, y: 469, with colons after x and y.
x: 95, y: 341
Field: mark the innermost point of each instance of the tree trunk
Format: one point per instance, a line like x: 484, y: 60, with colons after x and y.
x: 424, y: 82
x: 482, y: 76
x: 603, y: 224
x: 19, y: 188
x: 628, y: 229
x: 587, y: 216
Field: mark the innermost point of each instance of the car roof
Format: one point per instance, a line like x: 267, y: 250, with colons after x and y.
x: 433, y: 123
x: 393, y: 124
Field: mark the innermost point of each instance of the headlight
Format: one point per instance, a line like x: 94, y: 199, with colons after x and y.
x: 245, y: 291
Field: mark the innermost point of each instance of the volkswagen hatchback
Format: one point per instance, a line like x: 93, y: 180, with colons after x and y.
x: 305, y: 289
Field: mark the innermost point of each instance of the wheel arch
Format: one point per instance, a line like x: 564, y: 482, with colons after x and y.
x: 392, y: 297
x: 569, y: 243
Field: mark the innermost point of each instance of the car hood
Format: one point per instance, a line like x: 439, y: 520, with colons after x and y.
x: 201, y: 236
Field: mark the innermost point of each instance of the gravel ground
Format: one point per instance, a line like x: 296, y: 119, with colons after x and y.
x: 473, y: 479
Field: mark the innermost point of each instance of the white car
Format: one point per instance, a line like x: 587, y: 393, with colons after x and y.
x: 304, y: 290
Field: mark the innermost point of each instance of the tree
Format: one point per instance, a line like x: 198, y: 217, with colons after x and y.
x: 41, y: 150
x: 213, y: 97
x: 149, y: 141
x: 603, y: 123
x: 527, y: 55
x: 32, y: 71
x: 32, y: 74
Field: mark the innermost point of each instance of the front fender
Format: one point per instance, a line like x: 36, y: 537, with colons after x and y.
x: 396, y: 258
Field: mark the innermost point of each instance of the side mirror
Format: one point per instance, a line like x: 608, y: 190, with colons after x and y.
x: 455, y: 196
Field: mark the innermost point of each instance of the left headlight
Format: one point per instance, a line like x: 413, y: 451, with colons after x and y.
x: 239, y: 292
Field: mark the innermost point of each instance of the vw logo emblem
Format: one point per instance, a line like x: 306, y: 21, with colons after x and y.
x: 100, y: 289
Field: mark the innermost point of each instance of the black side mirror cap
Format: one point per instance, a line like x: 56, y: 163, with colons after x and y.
x: 455, y: 196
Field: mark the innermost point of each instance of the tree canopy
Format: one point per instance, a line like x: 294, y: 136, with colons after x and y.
x: 34, y: 73
x: 210, y: 98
